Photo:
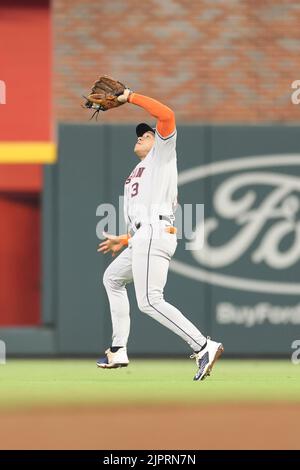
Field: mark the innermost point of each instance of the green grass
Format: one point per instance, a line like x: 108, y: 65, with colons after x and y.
x: 79, y: 382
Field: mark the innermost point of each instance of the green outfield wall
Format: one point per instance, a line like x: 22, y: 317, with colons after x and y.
x: 242, y: 287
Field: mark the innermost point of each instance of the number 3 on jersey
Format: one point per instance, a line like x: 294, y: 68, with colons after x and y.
x: 134, y: 189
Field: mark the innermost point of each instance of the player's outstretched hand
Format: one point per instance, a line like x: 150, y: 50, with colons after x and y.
x: 124, y: 98
x: 113, y: 243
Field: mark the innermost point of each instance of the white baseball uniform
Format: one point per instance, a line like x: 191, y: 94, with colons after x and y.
x: 150, y: 192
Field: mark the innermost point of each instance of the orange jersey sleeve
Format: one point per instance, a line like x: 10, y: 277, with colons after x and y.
x: 164, y: 115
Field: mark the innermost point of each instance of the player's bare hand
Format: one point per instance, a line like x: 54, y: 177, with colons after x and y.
x: 123, y: 98
x: 113, y: 244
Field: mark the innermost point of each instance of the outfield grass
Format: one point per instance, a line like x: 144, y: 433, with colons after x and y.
x: 79, y: 382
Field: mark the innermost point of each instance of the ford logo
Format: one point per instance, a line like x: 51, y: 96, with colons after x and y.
x: 255, y: 214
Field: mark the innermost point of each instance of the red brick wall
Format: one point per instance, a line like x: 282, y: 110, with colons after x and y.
x: 25, y: 65
x: 211, y: 60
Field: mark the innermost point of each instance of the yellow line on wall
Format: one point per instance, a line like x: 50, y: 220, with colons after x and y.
x: 27, y: 152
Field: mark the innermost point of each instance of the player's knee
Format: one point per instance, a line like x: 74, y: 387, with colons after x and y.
x: 111, y: 280
x: 144, y: 305
x: 148, y: 302
x: 105, y: 279
x: 108, y: 279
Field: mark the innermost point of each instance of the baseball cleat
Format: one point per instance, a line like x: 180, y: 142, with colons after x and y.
x: 113, y: 360
x: 206, y: 358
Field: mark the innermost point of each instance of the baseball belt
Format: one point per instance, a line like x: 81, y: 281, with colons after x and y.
x: 170, y: 229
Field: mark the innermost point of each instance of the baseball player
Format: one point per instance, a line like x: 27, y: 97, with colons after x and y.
x: 150, y: 197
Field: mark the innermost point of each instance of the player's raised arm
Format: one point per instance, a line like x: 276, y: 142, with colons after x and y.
x: 164, y: 115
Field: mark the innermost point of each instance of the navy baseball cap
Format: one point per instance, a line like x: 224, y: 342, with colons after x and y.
x: 142, y: 128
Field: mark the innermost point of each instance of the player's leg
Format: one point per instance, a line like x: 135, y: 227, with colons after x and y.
x: 150, y: 263
x: 116, y: 276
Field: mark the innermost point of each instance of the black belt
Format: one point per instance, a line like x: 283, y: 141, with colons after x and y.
x: 161, y: 217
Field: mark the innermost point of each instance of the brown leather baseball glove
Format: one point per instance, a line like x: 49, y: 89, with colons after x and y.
x: 104, y: 95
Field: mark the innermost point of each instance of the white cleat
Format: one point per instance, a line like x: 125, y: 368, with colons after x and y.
x: 206, y: 358
x: 112, y: 360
